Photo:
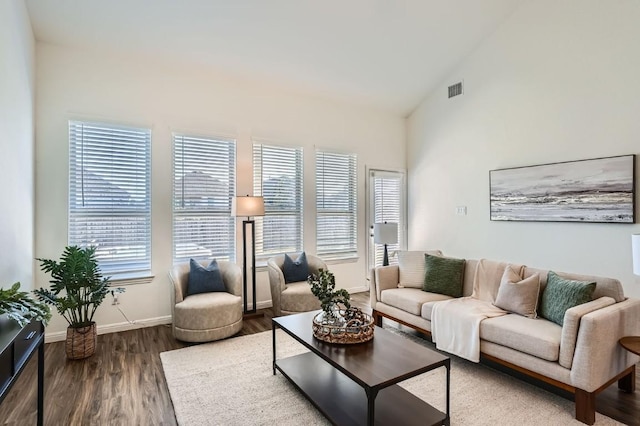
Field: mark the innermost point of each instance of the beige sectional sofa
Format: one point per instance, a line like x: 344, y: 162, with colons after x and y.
x: 581, y: 356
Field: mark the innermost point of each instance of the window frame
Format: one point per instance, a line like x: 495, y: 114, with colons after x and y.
x: 91, y: 150
x: 258, y: 149
x: 217, y: 143
x: 348, y: 211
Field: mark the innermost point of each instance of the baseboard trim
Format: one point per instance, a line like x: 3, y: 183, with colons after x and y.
x: 113, y: 328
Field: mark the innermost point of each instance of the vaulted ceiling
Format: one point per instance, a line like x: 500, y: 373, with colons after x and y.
x: 385, y: 54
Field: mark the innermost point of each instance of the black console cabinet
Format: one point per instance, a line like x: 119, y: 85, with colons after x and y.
x: 17, y: 345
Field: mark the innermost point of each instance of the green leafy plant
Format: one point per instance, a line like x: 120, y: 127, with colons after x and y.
x: 77, y: 285
x: 19, y: 306
x: 323, y: 286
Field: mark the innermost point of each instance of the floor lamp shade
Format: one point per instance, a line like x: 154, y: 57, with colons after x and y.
x: 385, y: 233
x: 248, y: 206
x: 635, y: 253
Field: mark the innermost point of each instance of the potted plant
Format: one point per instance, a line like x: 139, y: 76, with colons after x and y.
x: 338, y: 322
x: 19, y: 306
x: 77, y: 289
x: 323, y: 286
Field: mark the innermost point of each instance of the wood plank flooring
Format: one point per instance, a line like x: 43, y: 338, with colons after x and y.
x: 123, y: 383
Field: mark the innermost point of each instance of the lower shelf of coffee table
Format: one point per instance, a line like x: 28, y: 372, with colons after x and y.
x: 344, y: 402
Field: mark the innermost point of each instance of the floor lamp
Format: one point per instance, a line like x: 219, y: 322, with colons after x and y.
x: 385, y: 233
x: 248, y: 207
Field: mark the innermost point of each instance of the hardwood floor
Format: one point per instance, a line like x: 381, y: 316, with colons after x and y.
x: 123, y: 383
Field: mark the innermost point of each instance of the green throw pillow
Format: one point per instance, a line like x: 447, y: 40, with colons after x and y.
x: 443, y: 275
x: 562, y: 294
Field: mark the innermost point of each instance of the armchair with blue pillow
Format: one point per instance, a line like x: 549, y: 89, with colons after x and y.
x: 290, y: 291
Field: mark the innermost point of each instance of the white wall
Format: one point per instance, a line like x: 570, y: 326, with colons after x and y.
x: 558, y: 81
x: 167, y: 96
x: 17, y: 70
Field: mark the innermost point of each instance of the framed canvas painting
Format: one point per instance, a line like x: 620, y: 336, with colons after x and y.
x: 595, y: 190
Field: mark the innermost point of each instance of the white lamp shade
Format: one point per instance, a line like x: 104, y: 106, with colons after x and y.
x: 635, y: 253
x: 247, y: 206
x: 385, y: 233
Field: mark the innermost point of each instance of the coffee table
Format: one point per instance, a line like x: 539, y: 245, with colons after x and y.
x: 357, y: 384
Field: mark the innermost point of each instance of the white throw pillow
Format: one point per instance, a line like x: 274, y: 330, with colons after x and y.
x: 412, y: 267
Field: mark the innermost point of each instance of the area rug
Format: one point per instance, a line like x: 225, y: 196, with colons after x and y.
x: 230, y: 382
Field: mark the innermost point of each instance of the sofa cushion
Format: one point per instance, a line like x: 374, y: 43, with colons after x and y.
x: 297, y: 297
x: 443, y: 275
x: 427, y: 307
x: 409, y: 299
x: 295, y: 270
x: 488, y: 277
x: 537, y: 337
x: 562, y: 294
x: 517, y: 295
x: 204, y: 280
x: 605, y: 287
x: 412, y: 267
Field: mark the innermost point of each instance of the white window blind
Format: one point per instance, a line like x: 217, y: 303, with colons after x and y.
x: 277, y: 176
x: 388, y: 201
x: 204, y: 171
x: 336, y: 205
x: 109, y: 194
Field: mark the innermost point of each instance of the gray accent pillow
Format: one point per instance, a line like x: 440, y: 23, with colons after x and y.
x: 204, y: 280
x: 411, y: 267
x: 517, y: 295
x: 295, y: 270
x: 443, y: 275
x: 562, y: 294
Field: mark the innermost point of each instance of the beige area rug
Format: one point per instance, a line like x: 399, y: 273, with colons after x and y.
x: 230, y: 382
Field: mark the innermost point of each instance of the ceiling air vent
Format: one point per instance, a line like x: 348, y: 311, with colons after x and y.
x: 455, y: 90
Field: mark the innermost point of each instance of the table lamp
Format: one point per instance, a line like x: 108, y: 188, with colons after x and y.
x: 385, y: 233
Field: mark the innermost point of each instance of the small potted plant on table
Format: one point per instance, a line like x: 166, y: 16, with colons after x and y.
x: 338, y: 322
x: 77, y: 289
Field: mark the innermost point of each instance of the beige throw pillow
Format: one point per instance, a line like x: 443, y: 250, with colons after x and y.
x: 517, y: 295
x: 412, y: 267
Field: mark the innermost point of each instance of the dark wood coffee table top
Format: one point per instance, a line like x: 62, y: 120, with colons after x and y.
x: 631, y: 343
x: 384, y: 360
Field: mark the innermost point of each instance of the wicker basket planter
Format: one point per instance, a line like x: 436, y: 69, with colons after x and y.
x: 81, y: 342
x: 343, y: 326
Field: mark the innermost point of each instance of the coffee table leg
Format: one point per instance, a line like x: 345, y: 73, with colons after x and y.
x: 273, y: 345
x: 371, y: 405
x: 447, y: 419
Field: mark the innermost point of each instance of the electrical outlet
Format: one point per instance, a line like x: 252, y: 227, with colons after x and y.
x: 115, y: 299
x: 461, y: 210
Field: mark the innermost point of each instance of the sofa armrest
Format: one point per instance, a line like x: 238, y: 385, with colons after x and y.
x: 598, y: 356
x: 384, y: 277
x: 571, y: 326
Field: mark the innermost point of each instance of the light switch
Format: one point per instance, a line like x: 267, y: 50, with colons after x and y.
x: 461, y: 210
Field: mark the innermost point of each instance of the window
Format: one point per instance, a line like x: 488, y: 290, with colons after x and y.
x: 204, y: 171
x: 109, y: 194
x: 336, y: 205
x: 386, y: 203
x: 277, y: 176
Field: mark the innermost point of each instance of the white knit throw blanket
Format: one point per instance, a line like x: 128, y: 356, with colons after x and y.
x: 455, y: 325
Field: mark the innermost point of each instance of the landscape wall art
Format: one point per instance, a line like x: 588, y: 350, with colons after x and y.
x: 595, y: 190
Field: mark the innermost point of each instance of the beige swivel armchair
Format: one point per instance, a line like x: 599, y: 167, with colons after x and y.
x: 293, y: 297
x: 206, y: 316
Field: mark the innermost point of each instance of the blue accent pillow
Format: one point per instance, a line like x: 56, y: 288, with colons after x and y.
x: 295, y: 270
x: 204, y: 280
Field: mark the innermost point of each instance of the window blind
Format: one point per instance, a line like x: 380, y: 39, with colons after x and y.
x: 277, y: 176
x: 336, y: 205
x: 204, y: 171
x: 388, y: 205
x: 109, y: 194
